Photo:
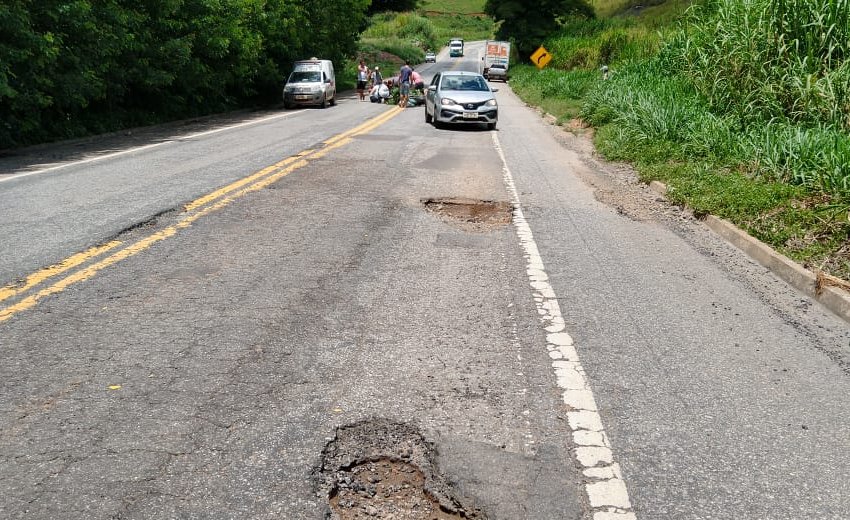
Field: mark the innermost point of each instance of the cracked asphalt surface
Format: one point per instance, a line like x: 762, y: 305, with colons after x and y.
x: 204, y: 376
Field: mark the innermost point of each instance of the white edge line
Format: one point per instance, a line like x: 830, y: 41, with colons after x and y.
x: 603, y: 479
x: 171, y: 140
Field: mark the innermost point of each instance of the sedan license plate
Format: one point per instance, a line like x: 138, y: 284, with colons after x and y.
x: 303, y: 96
x: 470, y: 115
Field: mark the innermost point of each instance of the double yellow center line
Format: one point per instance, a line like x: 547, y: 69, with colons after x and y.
x: 29, y: 293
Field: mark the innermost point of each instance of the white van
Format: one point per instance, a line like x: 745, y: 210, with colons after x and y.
x: 312, y: 82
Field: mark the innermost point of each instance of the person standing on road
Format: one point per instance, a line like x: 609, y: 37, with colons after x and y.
x: 404, y: 77
x: 377, y: 79
x: 362, y: 77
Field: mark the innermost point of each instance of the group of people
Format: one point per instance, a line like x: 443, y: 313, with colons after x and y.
x: 379, y: 88
x: 409, y: 80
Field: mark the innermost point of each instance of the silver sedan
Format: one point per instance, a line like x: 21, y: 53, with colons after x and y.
x: 460, y: 97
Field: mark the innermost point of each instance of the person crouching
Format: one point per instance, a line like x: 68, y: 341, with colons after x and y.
x: 380, y: 93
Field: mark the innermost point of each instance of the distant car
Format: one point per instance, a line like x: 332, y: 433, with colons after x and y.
x: 496, y: 71
x: 460, y: 97
x: 430, y: 57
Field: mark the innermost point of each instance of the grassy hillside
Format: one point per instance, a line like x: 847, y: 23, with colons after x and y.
x: 470, y: 27
x: 471, y: 24
x: 453, y: 6
x: 651, y: 12
x: 392, y: 38
x: 741, y: 108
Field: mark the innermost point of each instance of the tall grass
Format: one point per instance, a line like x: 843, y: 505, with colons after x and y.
x: 592, y: 43
x: 649, y: 106
x: 771, y: 59
x: 538, y: 85
x: 817, y: 158
x: 781, y: 68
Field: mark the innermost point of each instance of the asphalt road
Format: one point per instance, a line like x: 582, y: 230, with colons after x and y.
x: 601, y: 356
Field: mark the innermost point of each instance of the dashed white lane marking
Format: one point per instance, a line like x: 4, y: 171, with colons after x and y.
x: 171, y: 140
x: 604, y: 484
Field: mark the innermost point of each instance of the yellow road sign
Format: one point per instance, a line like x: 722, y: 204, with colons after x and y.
x: 541, y: 57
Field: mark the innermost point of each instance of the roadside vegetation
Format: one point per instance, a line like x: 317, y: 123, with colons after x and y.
x: 742, y: 107
x: 81, y: 67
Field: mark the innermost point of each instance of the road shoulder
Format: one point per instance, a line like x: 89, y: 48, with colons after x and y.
x: 827, y: 290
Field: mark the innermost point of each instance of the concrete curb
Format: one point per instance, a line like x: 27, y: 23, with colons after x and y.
x: 794, y: 274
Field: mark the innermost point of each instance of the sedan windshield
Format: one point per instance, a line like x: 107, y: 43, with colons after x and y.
x: 463, y: 83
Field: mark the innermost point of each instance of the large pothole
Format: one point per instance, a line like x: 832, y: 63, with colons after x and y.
x: 383, y: 469
x: 471, y: 214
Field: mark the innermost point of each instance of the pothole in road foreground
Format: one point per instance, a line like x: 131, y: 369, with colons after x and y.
x: 381, y: 469
x: 476, y: 215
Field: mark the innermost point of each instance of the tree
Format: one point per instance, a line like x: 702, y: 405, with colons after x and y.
x: 529, y: 25
x: 335, y: 26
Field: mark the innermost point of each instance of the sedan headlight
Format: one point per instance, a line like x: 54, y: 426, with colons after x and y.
x: 447, y: 101
x: 491, y: 102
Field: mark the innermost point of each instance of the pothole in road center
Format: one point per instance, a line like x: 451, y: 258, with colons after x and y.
x: 383, y: 469
x: 471, y: 214
x: 386, y: 489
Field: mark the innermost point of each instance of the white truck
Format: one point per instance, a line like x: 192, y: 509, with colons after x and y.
x: 312, y: 82
x: 496, y: 53
x: 456, y: 47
